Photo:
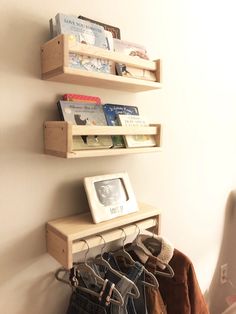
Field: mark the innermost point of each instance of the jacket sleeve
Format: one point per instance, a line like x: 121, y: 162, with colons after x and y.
x: 197, y: 301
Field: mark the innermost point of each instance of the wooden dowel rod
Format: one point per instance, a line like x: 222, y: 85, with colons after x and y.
x: 115, y: 234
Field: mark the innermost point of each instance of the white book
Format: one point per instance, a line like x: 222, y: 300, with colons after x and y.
x: 135, y: 140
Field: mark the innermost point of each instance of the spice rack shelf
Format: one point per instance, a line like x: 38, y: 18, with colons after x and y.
x: 64, y: 235
x: 55, y: 66
x: 58, y: 139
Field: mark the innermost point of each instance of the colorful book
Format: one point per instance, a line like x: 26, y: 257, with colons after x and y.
x: 85, y: 114
x: 84, y: 31
x: 89, y: 33
x: 111, y: 112
x: 135, y: 140
x: 82, y: 98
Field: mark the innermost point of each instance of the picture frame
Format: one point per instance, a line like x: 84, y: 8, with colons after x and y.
x: 110, y: 196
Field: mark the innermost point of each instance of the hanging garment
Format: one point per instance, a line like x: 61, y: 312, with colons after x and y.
x: 155, y: 303
x: 81, y: 304
x: 85, y: 303
x: 181, y: 294
x: 133, y: 275
x: 150, y: 300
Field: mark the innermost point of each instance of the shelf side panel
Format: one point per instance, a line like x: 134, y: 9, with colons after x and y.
x: 57, y: 138
x: 52, y: 56
x: 60, y: 248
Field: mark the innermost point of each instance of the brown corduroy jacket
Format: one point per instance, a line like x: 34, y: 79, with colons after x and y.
x: 181, y: 294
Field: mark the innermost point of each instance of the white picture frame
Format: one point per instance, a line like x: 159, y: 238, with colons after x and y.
x: 110, y: 196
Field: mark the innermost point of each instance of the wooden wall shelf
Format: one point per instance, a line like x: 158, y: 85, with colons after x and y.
x: 55, y: 66
x: 58, y: 139
x: 64, y: 234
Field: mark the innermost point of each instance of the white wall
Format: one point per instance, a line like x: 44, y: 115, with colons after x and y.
x: 190, y: 180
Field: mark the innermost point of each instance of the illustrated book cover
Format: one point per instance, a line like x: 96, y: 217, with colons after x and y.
x: 130, y: 48
x: 82, y: 98
x: 85, y: 114
x: 135, y: 140
x: 135, y: 50
x: 111, y: 112
x: 84, y: 31
x: 113, y: 29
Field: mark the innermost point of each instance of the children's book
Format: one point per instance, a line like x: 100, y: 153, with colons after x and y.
x: 85, y: 114
x: 113, y: 29
x: 135, y: 140
x: 129, y: 48
x: 89, y: 33
x: 84, y: 31
x: 82, y: 98
x: 111, y: 113
x: 137, y: 51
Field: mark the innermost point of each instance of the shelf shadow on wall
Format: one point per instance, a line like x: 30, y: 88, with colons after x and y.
x: 217, y: 291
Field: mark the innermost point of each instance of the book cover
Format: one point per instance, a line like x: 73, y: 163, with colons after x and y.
x: 52, y: 28
x: 111, y: 111
x: 128, y: 71
x: 82, y: 98
x: 85, y: 114
x: 84, y: 31
x: 135, y: 140
x: 113, y: 29
x: 135, y: 50
x: 88, y: 63
x: 130, y: 48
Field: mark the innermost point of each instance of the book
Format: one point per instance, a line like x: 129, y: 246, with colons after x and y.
x: 135, y: 140
x: 79, y: 113
x: 82, y: 98
x: 130, y: 48
x: 111, y: 112
x: 113, y: 29
x: 84, y: 31
x: 52, y: 28
x: 88, y: 63
x: 128, y: 71
x: 135, y: 50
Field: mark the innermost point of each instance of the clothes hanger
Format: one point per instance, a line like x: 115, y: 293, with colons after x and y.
x: 99, y: 260
x: 131, y: 262
x: 84, y: 267
x: 139, y: 247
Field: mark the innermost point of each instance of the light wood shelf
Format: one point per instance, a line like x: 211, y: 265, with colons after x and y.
x: 58, y: 139
x: 55, y: 66
x: 64, y: 234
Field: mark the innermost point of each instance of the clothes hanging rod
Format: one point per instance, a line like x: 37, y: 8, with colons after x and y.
x: 113, y: 235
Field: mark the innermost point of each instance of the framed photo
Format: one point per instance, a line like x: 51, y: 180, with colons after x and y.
x: 110, y: 196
